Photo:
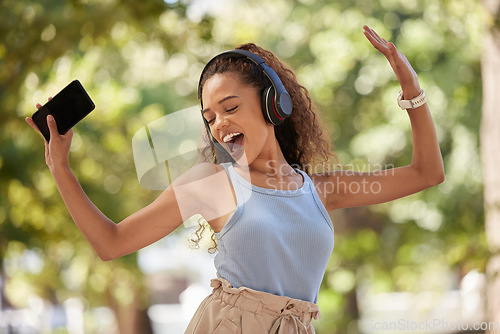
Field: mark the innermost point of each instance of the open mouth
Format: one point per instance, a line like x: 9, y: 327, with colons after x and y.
x: 234, y: 143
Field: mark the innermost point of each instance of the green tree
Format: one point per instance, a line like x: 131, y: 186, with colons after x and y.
x: 490, y: 128
x: 44, y: 45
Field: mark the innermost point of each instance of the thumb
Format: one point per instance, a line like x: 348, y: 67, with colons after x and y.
x: 51, y: 122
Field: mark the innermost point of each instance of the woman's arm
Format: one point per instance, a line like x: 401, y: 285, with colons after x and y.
x: 109, y: 240
x: 340, y: 189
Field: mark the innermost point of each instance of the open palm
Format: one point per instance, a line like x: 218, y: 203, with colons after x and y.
x: 405, y: 74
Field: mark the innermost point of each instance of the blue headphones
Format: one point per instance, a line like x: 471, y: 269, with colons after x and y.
x: 276, y: 102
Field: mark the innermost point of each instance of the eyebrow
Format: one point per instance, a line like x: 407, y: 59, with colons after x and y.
x: 221, y: 101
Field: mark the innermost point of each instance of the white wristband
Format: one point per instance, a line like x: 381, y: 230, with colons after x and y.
x: 413, y: 103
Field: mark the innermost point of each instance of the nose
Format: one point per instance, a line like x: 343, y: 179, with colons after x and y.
x: 220, y: 122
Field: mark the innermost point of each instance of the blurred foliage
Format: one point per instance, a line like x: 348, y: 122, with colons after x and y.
x: 140, y: 60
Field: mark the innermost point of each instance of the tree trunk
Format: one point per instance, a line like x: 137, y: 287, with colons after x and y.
x: 131, y: 318
x: 490, y: 152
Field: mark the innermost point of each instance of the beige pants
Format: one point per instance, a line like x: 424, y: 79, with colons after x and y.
x: 245, y: 311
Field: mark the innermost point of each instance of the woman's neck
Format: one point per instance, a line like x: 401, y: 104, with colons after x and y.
x: 270, y: 164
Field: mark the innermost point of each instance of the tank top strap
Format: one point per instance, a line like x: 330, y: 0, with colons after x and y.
x: 242, y: 194
x: 228, y: 166
x: 314, y: 192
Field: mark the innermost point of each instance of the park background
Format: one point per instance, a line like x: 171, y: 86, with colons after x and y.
x: 425, y: 255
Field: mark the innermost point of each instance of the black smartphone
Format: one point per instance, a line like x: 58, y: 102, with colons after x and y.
x: 68, y: 107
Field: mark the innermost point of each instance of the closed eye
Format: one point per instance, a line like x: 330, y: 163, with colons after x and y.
x: 227, y: 111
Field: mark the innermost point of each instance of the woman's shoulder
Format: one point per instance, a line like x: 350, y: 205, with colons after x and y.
x: 322, y: 183
x: 205, y: 189
x: 199, y: 172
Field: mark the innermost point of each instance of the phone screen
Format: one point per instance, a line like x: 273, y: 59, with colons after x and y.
x: 68, y: 107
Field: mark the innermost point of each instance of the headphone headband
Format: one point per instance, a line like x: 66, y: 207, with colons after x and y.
x: 231, y: 54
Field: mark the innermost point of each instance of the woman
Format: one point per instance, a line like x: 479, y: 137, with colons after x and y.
x: 259, y: 194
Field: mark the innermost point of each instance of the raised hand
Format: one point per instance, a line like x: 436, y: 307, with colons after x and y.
x: 57, y: 150
x: 405, y: 74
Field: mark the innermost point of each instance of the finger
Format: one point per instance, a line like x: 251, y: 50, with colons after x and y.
x: 375, y: 36
x: 374, y: 41
x: 51, y: 122
x: 394, y: 50
x: 29, y: 120
x: 395, y: 55
x: 378, y: 42
x: 380, y: 39
x: 38, y: 105
x: 370, y: 34
x: 32, y: 124
x: 367, y: 29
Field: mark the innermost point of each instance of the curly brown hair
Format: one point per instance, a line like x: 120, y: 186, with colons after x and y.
x: 302, y: 137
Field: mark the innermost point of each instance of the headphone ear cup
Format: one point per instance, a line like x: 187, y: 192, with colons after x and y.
x: 268, y: 106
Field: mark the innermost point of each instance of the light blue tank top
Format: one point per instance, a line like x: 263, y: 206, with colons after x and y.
x: 276, y: 241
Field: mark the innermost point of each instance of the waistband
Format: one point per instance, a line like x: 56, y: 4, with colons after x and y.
x: 288, y: 311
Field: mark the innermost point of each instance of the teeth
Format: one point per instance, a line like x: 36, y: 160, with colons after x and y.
x: 230, y: 136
